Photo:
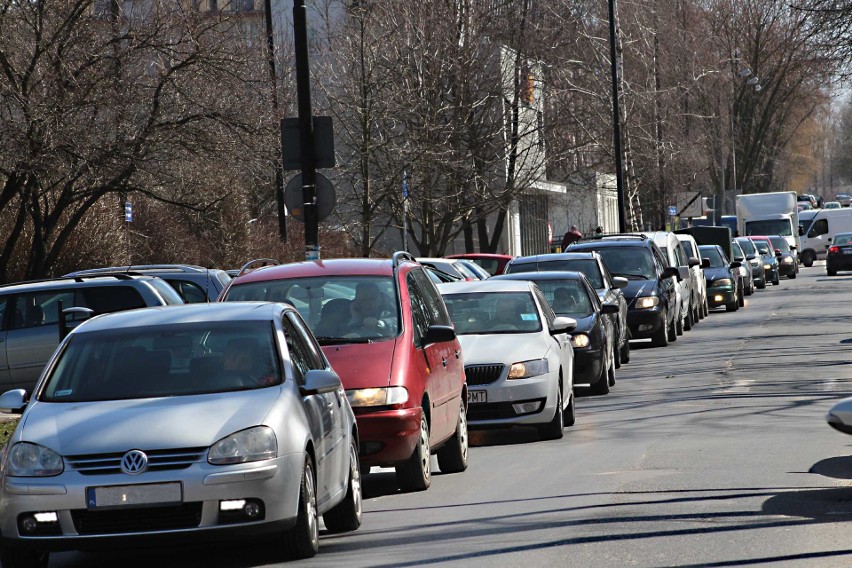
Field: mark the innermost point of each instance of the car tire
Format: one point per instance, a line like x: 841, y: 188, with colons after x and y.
x: 553, y: 430
x: 808, y: 258
x: 706, y: 308
x: 569, y: 416
x: 762, y: 284
x: 625, y: 351
x: 792, y: 275
x: 733, y: 306
x: 661, y: 336
x: 24, y: 558
x: 831, y: 272
x: 741, y: 299
x: 416, y: 473
x: 679, y: 325
x: 302, y: 541
x: 601, y: 386
x: 346, y: 515
x: 452, y: 457
x: 617, y: 358
x: 776, y: 281
x: 673, y: 330
x: 687, y: 322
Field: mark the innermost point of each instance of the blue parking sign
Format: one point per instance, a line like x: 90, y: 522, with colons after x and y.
x: 128, y: 212
x: 672, y: 210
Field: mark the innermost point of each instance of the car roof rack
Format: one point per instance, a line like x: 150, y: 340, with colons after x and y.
x: 402, y: 255
x: 81, y: 278
x: 260, y: 262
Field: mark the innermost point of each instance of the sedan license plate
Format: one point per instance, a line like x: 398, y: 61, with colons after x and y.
x: 847, y: 251
x: 477, y: 397
x: 125, y: 495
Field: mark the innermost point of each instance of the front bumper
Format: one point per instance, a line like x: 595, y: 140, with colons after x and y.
x: 274, y: 484
x: 502, y: 396
x: 587, y: 365
x: 644, y: 323
x: 786, y: 269
x: 720, y: 296
x: 387, y: 437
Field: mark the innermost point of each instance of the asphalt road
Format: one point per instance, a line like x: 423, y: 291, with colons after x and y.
x: 713, y: 451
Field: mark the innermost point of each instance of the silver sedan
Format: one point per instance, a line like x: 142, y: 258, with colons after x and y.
x: 199, y: 421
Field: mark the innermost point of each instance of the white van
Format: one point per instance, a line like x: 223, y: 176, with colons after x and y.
x: 819, y: 233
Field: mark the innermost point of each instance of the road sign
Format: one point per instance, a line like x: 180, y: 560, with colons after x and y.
x: 690, y: 205
x: 672, y: 210
x: 128, y: 212
x: 326, y: 197
x: 291, y: 144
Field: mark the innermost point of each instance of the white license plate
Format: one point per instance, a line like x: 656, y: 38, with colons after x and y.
x: 143, y: 494
x: 847, y: 251
x: 476, y: 397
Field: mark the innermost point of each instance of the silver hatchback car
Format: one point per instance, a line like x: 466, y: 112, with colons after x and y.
x: 205, y: 420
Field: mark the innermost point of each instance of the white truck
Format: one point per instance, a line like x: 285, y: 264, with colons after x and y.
x: 769, y: 214
x: 819, y: 227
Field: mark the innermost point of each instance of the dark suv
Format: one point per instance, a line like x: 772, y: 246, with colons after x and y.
x: 194, y: 283
x: 651, y: 288
x: 385, y: 329
x: 31, y: 323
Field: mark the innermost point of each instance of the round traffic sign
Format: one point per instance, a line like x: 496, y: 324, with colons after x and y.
x: 326, y: 197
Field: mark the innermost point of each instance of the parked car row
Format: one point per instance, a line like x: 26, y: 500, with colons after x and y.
x: 256, y: 414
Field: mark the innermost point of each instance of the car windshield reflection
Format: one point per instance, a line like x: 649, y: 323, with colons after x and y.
x: 493, y: 312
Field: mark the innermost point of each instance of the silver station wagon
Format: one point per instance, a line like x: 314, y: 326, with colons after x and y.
x: 205, y: 420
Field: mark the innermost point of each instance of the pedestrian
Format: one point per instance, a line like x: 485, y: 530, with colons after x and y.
x: 598, y: 231
x: 571, y: 236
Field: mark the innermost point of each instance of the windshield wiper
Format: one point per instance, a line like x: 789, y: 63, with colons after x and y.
x: 634, y: 276
x: 325, y: 340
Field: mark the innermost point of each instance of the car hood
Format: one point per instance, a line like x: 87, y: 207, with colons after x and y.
x: 636, y: 288
x: 362, y: 365
x: 503, y: 348
x: 146, y: 424
x: 715, y: 273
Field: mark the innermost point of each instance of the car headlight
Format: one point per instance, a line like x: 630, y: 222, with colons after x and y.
x: 383, y: 396
x: 787, y: 260
x: 526, y: 369
x: 31, y: 460
x: 580, y: 340
x: 767, y: 267
x: 722, y: 282
x: 253, y: 444
x: 647, y: 302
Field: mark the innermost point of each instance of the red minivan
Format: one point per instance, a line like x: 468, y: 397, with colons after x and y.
x: 385, y: 329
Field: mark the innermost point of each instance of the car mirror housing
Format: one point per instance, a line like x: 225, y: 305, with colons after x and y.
x: 750, y: 257
x: 736, y: 264
x: 693, y: 261
x: 318, y: 381
x: 439, y: 334
x: 562, y: 324
x: 619, y: 282
x: 610, y: 309
x: 13, y: 401
x: 778, y: 253
x: 671, y: 272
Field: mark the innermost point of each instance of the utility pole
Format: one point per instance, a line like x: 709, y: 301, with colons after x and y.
x: 279, y: 173
x: 306, y: 130
x: 619, y: 167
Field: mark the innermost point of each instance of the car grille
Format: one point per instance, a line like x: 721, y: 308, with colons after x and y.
x: 482, y: 374
x: 147, y: 519
x: 158, y: 460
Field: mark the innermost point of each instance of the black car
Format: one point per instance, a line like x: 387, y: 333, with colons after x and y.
x: 839, y: 255
x: 571, y: 294
x: 650, y: 291
x: 607, y: 287
x: 788, y: 264
x: 722, y: 278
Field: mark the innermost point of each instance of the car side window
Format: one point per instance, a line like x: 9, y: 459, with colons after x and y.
x: 681, y: 256
x: 107, y: 299
x: 419, y: 309
x: 437, y: 309
x: 659, y: 259
x: 301, y: 355
x: 820, y: 227
x: 548, y: 312
x: 191, y: 292
x: 40, y: 309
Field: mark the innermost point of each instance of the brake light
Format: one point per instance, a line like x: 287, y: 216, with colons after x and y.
x: 833, y: 249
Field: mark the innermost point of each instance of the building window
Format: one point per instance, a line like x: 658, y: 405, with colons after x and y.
x: 243, y: 5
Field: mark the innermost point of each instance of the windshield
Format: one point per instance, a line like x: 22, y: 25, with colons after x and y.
x: 747, y: 246
x: 566, y: 297
x: 587, y: 266
x: 337, y: 308
x: 493, y: 312
x: 763, y: 247
x: 780, y: 243
x: 172, y: 360
x: 630, y: 262
x: 713, y: 255
x: 781, y: 227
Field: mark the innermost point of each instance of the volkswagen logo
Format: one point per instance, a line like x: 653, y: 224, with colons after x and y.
x: 134, y: 462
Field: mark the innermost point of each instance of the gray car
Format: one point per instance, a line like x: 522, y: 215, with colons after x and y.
x: 202, y: 421
x: 193, y: 283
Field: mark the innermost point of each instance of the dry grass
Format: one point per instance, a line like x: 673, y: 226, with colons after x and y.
x: 6, y: 429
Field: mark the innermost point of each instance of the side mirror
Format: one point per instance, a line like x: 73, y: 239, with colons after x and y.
x: 777, y: 253
x: 739, y: 258
x: 829, y: 239
x: 801, y: 231
x: 705, y: 263
x: 619, y: 282
x: 13, y: 401
x: 792, y: 247
x: 736, y: 264
x: 64, y: 328
x: 562, y: 325
x: 671, y: 272
x: 693, y: 261
x: 750, y: 257
x: 682, y: 273
x: 438, y: 334
x: 318, y: 381
x: 610, y: 309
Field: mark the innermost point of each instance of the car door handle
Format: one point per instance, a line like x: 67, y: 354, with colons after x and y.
x: 443, y: 362
x: 457, y: 353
